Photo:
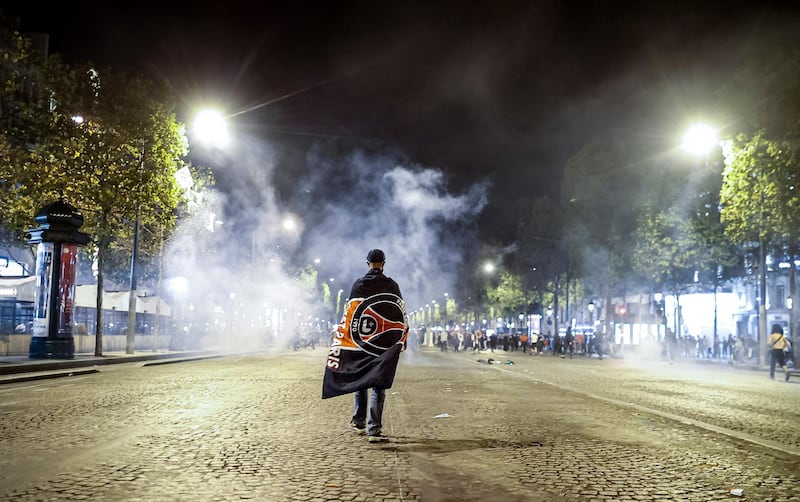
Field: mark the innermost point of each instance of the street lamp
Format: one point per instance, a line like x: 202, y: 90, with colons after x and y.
x: 591, y: 306
x: 289, y: 223
x: 130, y: 339
x: 211, y: 128
x: 699, y: 139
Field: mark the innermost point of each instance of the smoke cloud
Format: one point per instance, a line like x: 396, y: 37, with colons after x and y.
x: 241, y: 246
x: 404, y: 210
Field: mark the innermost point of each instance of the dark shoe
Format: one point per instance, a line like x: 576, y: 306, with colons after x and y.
x: 787, y: 377
x: 361, y: 429
x: 380, y: 438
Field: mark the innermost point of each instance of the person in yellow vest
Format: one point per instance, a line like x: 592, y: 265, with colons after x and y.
x: 777, y: 342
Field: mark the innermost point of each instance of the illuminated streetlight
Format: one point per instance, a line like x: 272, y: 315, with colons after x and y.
x: 289, y: 223
x: 699, y: 139
x: 211, y: 128
x: 488, y: 267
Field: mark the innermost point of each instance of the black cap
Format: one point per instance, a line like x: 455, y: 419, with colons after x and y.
x: 376, y: 256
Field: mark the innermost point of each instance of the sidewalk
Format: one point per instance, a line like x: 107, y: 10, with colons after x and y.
x: 11, y: 367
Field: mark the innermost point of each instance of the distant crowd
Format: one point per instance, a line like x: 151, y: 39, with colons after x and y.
x: 740, y: 349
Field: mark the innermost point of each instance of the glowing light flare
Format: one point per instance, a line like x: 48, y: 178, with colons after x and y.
x: 488, y: 267
x: 211, y: 128
x: 183, y: 177
x: 178, y: 285
x: 289, y: 223
x: 699, y: 139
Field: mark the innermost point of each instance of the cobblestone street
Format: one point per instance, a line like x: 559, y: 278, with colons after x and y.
x: 542, y: 428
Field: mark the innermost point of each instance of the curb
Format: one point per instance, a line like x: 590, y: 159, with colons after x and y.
x: 46, y: 376
x: 57, y: 369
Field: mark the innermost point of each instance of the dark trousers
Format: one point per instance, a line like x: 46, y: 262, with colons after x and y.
x: 777, y: 358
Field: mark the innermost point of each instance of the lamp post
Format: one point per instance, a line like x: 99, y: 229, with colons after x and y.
x: 699, y: 140
x: 130, y: 339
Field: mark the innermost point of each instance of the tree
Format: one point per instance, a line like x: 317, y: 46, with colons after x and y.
x: 759, y: 200
x: 604, y: 187
x: 767, y: 91
x: 508, y: 295
x: 666, y: 252
x: 27, y: 122
x: 538, y: 258
x: 719, y: 259
x: 117, y: 164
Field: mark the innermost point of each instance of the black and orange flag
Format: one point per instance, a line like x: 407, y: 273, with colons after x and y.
x: 366, y: 345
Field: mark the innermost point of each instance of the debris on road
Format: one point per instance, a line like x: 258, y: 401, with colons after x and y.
x: 739, y: 492
x: 444, y: 415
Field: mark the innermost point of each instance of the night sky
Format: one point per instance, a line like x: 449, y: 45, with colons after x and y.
x: 497, y: 91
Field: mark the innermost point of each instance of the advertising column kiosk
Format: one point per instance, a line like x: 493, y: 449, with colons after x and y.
x: 57, y: 239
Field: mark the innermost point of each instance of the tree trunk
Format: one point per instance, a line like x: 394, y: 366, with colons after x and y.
x: 157, y: 326
x: 130, y: 339
x: 793, y: 338
x: 98, y: 337
x: 714, y: 351
x: 762, y: 307
x: 609, y: 311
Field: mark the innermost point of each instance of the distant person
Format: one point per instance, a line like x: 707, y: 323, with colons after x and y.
x: 569, y: 342
x: 598, y: 344
x: 777, y: 342
x: 367, y: 346
x: 671, y: 345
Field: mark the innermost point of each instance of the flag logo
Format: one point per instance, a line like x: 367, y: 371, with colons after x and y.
x: 378, y: 323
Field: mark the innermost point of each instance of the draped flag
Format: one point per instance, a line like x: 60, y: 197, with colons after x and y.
x: 366, y: 345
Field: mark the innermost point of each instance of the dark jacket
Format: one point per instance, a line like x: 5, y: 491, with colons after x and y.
x: 373, y: 283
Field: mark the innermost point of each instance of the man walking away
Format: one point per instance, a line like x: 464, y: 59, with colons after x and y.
x: 367, y: 345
